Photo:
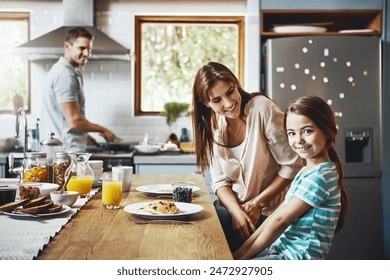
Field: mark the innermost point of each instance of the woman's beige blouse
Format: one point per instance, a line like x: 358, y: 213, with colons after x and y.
x: 266, y: 153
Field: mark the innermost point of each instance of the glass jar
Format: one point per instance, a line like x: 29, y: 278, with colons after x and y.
x: 50, y: 146
x: 35, y: 168
x: 81, y: 174
x: 61, y: 163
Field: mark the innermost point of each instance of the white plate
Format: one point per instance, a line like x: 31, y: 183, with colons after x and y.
x: 298, y: 29
x: 186, y: 209
x: 148, y: 149
x: 356, y: 31
x: 64, y: 209
x: 160, y: 189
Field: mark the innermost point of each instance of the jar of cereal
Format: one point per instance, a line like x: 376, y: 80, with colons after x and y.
x: 35, y: 168
x: 61, y: 163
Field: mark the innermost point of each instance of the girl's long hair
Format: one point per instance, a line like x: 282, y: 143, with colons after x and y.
x: 204, y: 118
x: 322, y: 115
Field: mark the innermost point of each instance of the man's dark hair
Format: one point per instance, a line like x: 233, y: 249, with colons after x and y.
x: 77, y: 32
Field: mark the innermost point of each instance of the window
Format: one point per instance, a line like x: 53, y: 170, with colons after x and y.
x: 169, y: 50
x: 14, y: 69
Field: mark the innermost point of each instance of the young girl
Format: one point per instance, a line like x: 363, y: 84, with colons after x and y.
x: 304, y: 225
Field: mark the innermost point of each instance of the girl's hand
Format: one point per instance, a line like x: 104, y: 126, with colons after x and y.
x: 242, y: 225
x: 253, y: 210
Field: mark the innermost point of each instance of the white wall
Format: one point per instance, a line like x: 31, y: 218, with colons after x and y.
x: 109, y: 85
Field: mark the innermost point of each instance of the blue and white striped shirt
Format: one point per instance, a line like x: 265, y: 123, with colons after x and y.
x: 310, y: 236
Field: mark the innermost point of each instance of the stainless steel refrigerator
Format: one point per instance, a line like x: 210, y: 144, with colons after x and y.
x: 346, y: 72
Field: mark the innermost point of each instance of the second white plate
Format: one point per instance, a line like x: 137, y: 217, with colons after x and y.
x: 186, y: 209
x: 160, y: 189
x: 298, y: 29
x: 64, y: 209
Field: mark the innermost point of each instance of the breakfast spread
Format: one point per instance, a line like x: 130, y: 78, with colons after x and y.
x: 160, y: 207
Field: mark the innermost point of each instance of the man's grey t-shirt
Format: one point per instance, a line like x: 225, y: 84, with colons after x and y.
x: 64, y: 83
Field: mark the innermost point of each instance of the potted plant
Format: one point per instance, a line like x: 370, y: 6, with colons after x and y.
x: 172, y: 111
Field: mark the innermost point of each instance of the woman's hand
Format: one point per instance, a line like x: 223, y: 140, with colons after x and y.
x: 253, y: 210
x: 242, y: 225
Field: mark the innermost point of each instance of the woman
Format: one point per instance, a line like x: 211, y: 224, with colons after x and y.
x: 304, y: 225
x: 241, y: 139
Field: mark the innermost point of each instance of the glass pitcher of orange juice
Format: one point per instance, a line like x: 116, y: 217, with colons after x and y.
x: 81, y: 173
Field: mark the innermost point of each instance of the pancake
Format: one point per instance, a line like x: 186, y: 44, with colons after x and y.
x: 160, y: 207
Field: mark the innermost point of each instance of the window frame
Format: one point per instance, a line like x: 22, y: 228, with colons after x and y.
x: 21, y: 16
x: 139, y: 20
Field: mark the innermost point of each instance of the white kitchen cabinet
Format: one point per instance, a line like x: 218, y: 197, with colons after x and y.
x: 165, y: 168
x: 165, y: 163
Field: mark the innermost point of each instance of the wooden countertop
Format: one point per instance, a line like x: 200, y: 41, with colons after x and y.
x: 97, y: 233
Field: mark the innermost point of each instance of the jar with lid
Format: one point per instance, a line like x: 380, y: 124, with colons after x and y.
x: 61, y: 163
x: 50, y: 146
x: 35, y: 168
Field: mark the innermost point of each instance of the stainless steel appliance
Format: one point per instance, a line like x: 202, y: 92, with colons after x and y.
x: 346, y: 72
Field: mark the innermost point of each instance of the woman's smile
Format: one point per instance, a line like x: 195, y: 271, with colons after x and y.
x: 225, y: 99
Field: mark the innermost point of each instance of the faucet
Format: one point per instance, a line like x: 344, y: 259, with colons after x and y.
x: 19, y: 170
x: 22, y: 113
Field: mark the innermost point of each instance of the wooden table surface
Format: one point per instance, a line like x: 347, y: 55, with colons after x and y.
x: 97, y: 233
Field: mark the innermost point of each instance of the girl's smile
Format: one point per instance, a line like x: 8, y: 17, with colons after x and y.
x: 306, y: 139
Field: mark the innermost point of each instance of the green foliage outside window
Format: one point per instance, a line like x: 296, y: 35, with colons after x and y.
x: 173, y: 53
x: 13, y: 68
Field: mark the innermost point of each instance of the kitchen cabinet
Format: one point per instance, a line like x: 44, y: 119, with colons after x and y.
x: 348, y: 16
x: 165, y: 169
x: 333, y: 20
x: 165, y: 163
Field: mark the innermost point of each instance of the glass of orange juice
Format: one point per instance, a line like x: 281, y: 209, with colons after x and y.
x: 112, y: 190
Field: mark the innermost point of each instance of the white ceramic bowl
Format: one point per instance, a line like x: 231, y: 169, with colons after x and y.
x: 8, y: 181
x: 66, y: 198
x: 148, y: 149
x: 171, y: 147
x: 47, y: 188
x: 44, y: 188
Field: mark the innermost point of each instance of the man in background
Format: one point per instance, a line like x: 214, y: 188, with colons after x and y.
x: 63, y: 110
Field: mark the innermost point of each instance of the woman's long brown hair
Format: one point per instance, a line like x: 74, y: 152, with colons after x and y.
x: 204, y: 119
x: 322, y: 115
